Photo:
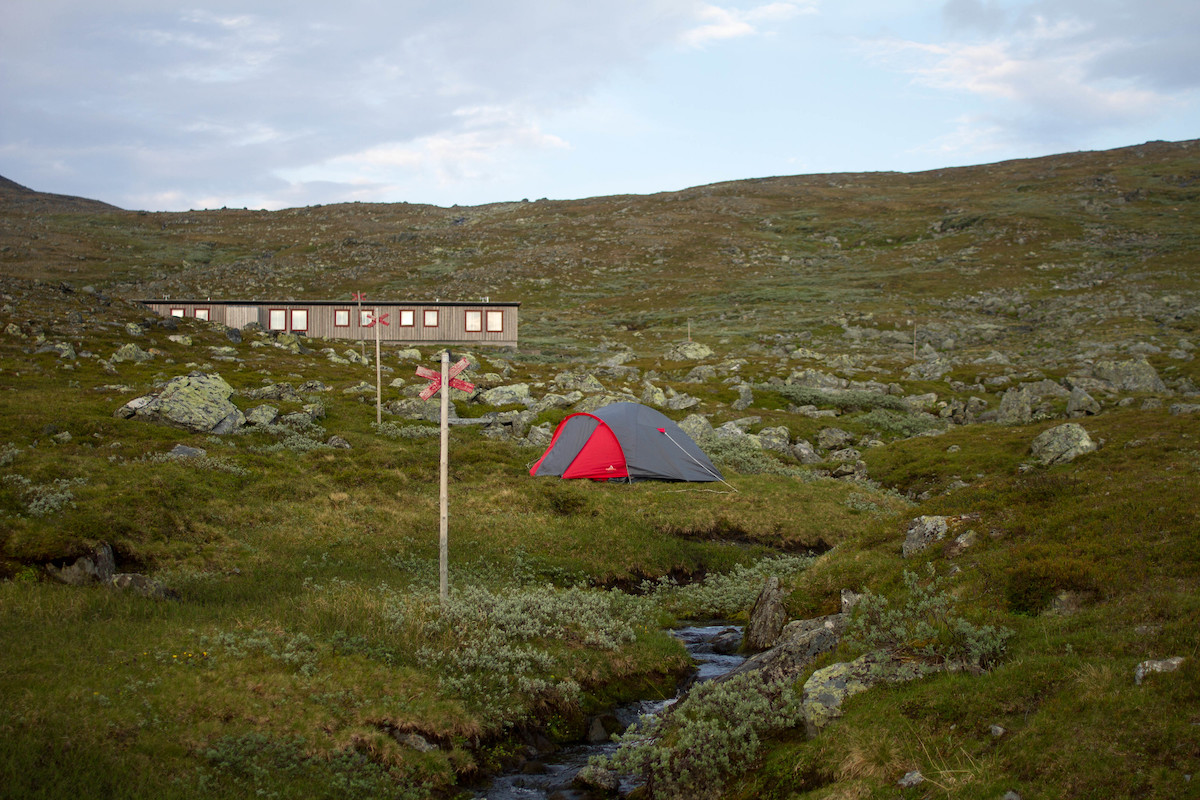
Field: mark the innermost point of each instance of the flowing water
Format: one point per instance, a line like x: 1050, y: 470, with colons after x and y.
x: 551, y: 778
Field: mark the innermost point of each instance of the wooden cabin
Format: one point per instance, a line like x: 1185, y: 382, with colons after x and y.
x: 426, y: 322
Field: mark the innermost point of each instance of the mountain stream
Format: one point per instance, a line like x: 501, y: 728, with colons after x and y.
x: 552, y: 777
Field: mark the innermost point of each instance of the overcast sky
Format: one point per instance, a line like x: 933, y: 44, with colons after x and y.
x: 165, y: 105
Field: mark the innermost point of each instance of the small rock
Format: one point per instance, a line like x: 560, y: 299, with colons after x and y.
x: 997, y: 731
x: 146, y: 587
x: 1146, y: 667
x: 338, y: 443
x: 922, y: 532
x: 183, y: 451
x: 911, y: 779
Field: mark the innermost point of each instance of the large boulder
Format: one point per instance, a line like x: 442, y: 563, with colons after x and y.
x: 1136, y: 375
x: 696, y: 426
x: 1016, y: 407
x: 1061, y: 444
x: 799, y: 644
x: 688, y: 351
x: 1081, y: 404
x: 514, y: 394
x: 130, y: 352
x: 197, y: 402
x: 578, y: 381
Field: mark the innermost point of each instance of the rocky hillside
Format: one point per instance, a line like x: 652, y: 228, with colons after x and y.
x: 971, y: 394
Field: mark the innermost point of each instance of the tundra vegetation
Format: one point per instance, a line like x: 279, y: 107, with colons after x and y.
x: 883, y: 348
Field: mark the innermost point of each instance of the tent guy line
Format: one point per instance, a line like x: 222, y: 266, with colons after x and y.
x: 663, y: 431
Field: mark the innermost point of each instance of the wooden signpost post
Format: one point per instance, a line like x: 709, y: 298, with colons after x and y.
x: 375, y: 322
x: 442, y: 382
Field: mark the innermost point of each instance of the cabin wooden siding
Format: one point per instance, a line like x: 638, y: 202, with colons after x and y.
x: 437, y: 322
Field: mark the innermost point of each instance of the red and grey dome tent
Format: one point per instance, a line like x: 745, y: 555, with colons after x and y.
x: 624, y: 440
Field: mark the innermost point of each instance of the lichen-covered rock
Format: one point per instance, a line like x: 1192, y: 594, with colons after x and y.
x: 1136, y: 375
x: 696, y: 426
x: 798, y: 645
x: 1061, y: 444
x: 513, y: 394
x: 143, y: 585
x: 195, y: 402
x: 1016, y: 407
x: 578, y: 381
x: 130, y: 352
x: 653, y: 395
x: 922, y: 532
x: 815, y: 379
x: 833, y: 438
x: 279, y: 392
x: 829, y: 687
x: 262, y: 415
x: 1080, y: 403
x: 688, y: 351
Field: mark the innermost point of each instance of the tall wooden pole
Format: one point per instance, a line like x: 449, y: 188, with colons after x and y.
x: 378, y: 380
x: 443, y: 504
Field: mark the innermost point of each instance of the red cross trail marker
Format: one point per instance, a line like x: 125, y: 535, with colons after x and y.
x: 435, y: 379
x: 445, y: 379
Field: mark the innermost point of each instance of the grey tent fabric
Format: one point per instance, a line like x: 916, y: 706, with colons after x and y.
x: 653, y: 446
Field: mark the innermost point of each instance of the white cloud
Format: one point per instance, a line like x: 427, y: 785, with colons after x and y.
x: 717, y: 23
x: 1045, y: 75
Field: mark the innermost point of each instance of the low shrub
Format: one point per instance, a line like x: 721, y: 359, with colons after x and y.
x: 845, y: 400
x: 716, y: 732
x: 926, y: 626
x: 900, y: 424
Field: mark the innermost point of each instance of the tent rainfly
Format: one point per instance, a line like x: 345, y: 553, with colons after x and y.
x: 624, y: 441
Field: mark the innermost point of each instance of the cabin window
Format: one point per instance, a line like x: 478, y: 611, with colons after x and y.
x: 300, y: 319
x: 473, y: 322
x: 495, y: 321
x: 202, y: 313
x: 431, y: 318
x: 365, y: 316
x: 341, y: 318
x: 408, y: 318
x: 177, y: 312
x: 277, y: 319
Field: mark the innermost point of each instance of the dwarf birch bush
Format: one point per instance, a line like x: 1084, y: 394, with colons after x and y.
x: 727, y: 594
x: 925, y: 624
x: 711, y: 735
x: 506, y: 650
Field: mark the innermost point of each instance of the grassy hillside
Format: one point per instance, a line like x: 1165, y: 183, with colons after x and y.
x: 301, y: 651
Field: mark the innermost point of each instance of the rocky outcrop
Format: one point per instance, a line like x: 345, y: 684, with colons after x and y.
x: 97, y: 566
